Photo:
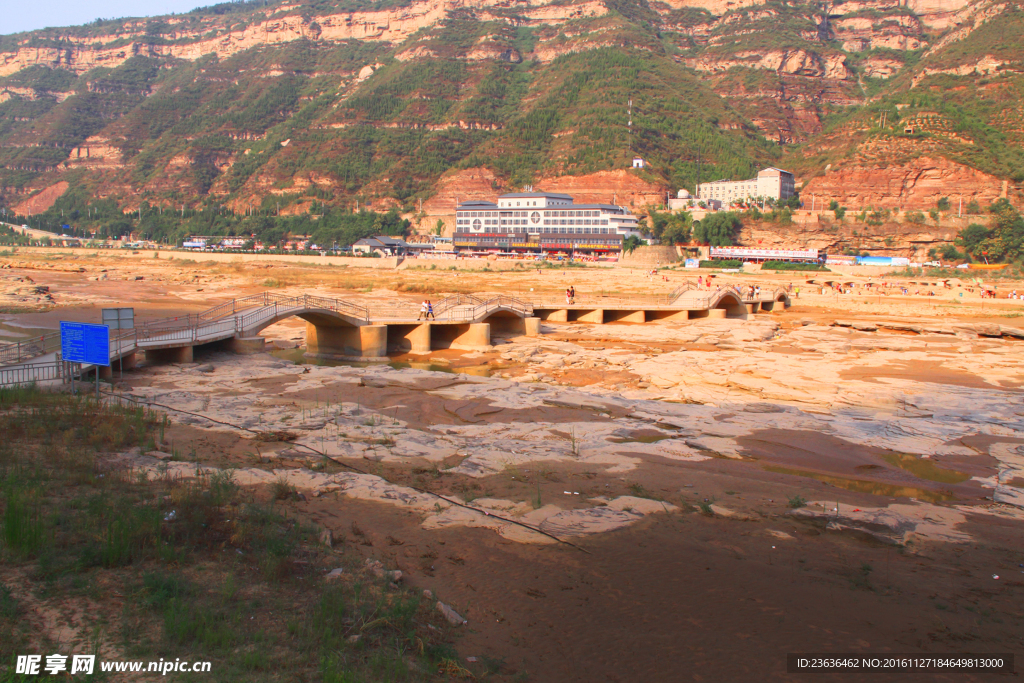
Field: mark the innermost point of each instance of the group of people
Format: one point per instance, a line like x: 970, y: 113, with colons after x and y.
x: 570, y: 295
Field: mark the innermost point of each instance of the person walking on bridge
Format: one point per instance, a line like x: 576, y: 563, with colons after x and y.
x: 430, y: 310
x: 423, y: 311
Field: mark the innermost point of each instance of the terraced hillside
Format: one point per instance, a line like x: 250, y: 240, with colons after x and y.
x: 328, y: 105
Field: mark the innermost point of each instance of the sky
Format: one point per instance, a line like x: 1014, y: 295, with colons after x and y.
x: 28, y: 15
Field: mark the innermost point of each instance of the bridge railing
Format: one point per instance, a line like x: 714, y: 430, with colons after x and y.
x: 273, y: 305
x: 30, y: 373
x: 486, y: 306
x: 608, y: 300
x: 15, y: 352
x: 455, y: 301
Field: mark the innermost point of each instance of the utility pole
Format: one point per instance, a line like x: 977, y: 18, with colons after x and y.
x: 696, y: 187
x: 629, y: 135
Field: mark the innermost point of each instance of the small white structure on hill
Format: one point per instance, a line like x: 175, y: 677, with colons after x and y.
x: 638, y: 162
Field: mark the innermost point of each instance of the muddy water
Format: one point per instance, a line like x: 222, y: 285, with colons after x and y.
x: 925, y: 469
x: 11, y: 331
x: 875, y: 488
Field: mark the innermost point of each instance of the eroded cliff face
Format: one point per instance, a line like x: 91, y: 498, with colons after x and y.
x: 621, y: 187
x: 779, y: 68
x: 886, y: 238
x: 917, y: 184
x: 391, y: 26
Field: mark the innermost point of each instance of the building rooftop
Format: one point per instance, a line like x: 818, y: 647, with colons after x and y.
x: 382, y: 241
x: 534, y: 195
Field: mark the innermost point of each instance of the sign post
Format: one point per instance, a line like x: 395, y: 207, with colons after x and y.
x: 119, y: 319
x: 85, y: 343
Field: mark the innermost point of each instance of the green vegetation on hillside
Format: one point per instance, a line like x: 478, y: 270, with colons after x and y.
x: 1001, y: 241
x: 305, y: 122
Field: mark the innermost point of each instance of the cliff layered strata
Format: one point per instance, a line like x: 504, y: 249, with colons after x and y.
x: 392, y: 26
x: 918, y: 184
x: 836, y: 237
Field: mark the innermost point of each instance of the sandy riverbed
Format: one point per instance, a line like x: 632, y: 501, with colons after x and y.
x: 780, y: 481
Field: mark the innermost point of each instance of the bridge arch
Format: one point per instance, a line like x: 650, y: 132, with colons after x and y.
x: 321, y: 317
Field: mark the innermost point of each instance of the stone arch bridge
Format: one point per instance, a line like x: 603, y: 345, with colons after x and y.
x: 340, y: 329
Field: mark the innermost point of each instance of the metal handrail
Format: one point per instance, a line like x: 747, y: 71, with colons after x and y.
x: 14, y: 352
x: 31, y: 373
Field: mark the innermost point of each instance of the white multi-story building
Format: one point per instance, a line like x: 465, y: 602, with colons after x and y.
x: 541, y: 222
x: 770, y: 183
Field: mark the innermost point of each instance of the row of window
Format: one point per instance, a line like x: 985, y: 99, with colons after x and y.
x: 524, y: 214
x: 585, y: 221
x: 569, y: 240
x: 478, y: 222
x: 536, y: 230
x: 571, y: 214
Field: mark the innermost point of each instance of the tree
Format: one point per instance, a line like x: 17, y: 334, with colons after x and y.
x: 671, y: 228
x: 942, y: 204
x: 838, y: 211
x: 717, y: 229
x: 1003, y: 240
x: 630, y: 243
x: 950, y: 253
x: 439, y: 227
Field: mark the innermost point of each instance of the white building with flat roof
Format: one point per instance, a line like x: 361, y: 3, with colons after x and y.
x: 770, y: 183
x: 541, y: 221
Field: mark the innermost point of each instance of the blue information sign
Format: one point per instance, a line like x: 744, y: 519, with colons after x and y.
x: 85, y: 343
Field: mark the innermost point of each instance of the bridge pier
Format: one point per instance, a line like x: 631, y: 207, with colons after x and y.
x: 466, y: 337
x: 507, y: 326
x: 369, y: 342
x: 409, y: 338
x: 556, y: 315
x: 125, y: 362
x: 625, y: 316
x: 176, y: 354
x: 247, y: 345
x: 584, y: 316
x: 669, y: 315
x: 531, y: 327
x: 752, y: 308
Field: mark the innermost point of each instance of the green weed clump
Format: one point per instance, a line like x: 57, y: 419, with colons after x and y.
x: 788, y: 265
x: 201, y: 568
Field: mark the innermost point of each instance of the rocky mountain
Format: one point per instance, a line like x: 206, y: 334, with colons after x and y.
x: 294, y: 107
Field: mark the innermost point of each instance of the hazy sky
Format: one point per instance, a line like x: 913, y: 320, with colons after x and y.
x: 26, y: 15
